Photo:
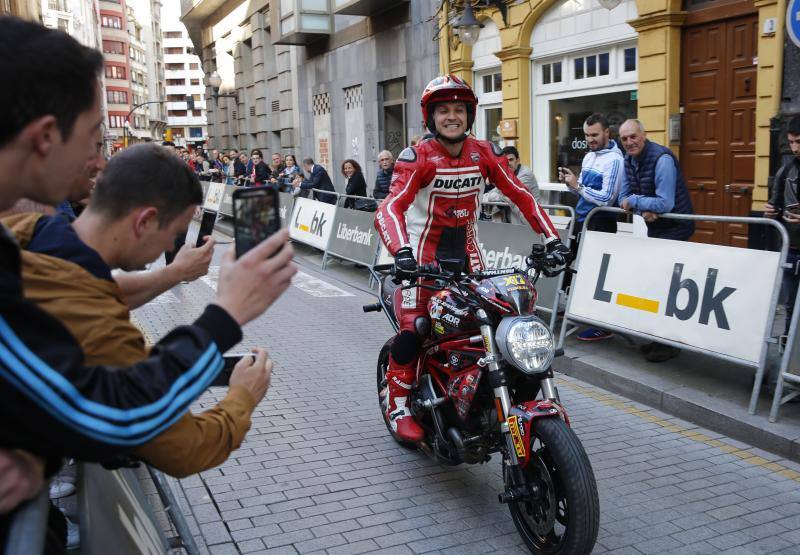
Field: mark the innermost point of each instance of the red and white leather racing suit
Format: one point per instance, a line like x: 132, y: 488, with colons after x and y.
x: 433, y: 207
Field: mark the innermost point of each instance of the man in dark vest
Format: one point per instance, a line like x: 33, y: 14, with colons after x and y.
x: 652, y: 185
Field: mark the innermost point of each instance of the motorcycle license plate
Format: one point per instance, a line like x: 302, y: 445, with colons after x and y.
x: 516, y: 436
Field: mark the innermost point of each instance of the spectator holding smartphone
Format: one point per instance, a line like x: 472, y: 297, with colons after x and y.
x: 784, y: 205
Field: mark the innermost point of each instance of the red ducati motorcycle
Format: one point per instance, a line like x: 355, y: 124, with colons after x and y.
x: 484, y: 385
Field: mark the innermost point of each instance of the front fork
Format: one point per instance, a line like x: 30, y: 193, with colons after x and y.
x: 516, y: 488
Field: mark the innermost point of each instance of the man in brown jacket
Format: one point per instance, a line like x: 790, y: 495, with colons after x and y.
x: 134, y: 214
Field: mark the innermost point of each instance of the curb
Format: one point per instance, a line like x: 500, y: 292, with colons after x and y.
x: 681, y: 408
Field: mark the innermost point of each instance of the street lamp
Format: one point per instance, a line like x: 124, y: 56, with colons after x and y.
x: 609, y: 4
x: 468, y: 27
x: 215, y: 82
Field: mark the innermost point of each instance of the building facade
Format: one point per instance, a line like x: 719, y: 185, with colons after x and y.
x: 150, y: 61
x: 325, y: 80
x: 704, y: 76
x: 187, y: 125
x: 116, y: 66
x: 26, y: 9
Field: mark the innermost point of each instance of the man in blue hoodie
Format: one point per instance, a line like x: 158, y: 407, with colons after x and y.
x: 598, y: 185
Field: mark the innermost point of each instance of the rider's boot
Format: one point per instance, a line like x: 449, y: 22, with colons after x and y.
x: 400, y: 379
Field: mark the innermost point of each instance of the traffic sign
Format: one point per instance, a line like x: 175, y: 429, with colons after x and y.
x: 793, y: 21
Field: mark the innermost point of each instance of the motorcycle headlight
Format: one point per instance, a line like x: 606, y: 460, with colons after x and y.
x: 526, y: 342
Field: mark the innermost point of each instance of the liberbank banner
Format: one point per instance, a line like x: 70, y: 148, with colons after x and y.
x: 710, y: 297
x: 312, y: 222
x: 353, y: 236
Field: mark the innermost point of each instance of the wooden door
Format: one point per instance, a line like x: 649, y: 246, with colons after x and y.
x: 718, y: 86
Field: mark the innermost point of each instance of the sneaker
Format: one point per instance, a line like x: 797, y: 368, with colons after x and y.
x: 73, y: 532
x: 661, y: 353
x: 594, y: 334
x: 61, y: 488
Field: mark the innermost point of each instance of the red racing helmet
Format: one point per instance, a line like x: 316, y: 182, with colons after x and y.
x: 447, y: 88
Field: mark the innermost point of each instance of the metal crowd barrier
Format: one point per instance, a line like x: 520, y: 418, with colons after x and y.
x: 28, y: 526
x: 790, y: 359
x: 600, y: 293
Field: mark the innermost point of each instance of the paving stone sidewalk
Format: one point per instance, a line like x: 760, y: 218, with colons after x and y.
x: 319, y: 474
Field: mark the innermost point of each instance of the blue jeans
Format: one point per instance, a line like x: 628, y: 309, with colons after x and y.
x: 791, y: 280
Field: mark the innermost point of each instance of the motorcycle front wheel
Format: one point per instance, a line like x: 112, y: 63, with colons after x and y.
x: 564, y: 520
x: 383, y: 366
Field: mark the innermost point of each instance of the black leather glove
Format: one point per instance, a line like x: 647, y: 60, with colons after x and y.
x: 404, y: 263
x: 559, y: 253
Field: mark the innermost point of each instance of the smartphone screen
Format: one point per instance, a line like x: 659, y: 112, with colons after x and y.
x: 255, y: 216
x: 206, y: 226
x: 224, y: 376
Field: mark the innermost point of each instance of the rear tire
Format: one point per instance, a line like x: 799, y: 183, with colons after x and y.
x: 383, y: 366
x: 565, y: 520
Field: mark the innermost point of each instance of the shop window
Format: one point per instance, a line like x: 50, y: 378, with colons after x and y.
x: 493, y: 83
x: 603, y: 63
x: 195, y: 132
x: 568, y: 145
x: 491, y: 124
x: 578, y: 68
x: 630, y: 59
x: 551, y: 73
x: 592, y: 66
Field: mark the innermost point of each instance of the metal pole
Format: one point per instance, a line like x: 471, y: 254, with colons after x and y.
x: 173, y: 510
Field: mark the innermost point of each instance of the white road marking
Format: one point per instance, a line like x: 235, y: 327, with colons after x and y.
x: 316, y: 287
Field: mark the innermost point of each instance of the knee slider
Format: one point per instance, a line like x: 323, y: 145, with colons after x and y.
x: 406, y: 347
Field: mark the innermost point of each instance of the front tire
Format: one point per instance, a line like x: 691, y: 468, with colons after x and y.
x: 565, y: 518
x: 383, y: 366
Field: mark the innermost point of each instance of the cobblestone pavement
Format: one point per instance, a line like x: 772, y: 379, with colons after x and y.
x: 319, y: 474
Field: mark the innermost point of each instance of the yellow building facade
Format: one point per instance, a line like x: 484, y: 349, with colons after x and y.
x: 687, y: 75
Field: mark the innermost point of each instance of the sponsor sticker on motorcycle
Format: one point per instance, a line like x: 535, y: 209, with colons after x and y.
x: 516, y: 436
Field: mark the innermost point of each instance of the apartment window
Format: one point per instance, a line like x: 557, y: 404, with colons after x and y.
x: 195, y: 132
x: 551, y: 73
x: 194, y: 66
x: 173, y: 50
x: 175, y: 67
x: 57, y: 5
x: 176, y: 98
x: 173, y: 34
x: 118, y: 97
x: 197, y: 97
x: 630, y: 59
x: 116, y: 121
x: 111, y: 22
x: 113, y: 47
x: 493, y: 82
x: 176, y: 82
x: 177, y: 113
x: 63, y: 25
x: 115, y: 72
x: 194, y: 82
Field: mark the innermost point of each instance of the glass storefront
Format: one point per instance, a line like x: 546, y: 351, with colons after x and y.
x: 568, y: 144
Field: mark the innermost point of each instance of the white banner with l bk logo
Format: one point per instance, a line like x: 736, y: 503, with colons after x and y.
x: 312, y: 222
x: 711, y: 297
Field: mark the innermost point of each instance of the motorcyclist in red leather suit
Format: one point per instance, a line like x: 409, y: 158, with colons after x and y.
x: 432, y: 212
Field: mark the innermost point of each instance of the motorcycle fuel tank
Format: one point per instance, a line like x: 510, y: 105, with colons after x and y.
x: 450, y: 315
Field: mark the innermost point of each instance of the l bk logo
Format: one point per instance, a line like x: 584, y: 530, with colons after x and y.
x: 711, y: 302
x: 317, y: 226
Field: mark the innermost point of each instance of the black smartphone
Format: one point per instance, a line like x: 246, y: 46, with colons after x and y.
x: 229, y: 361
x: 206, y: 226
x: 255, y: 216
